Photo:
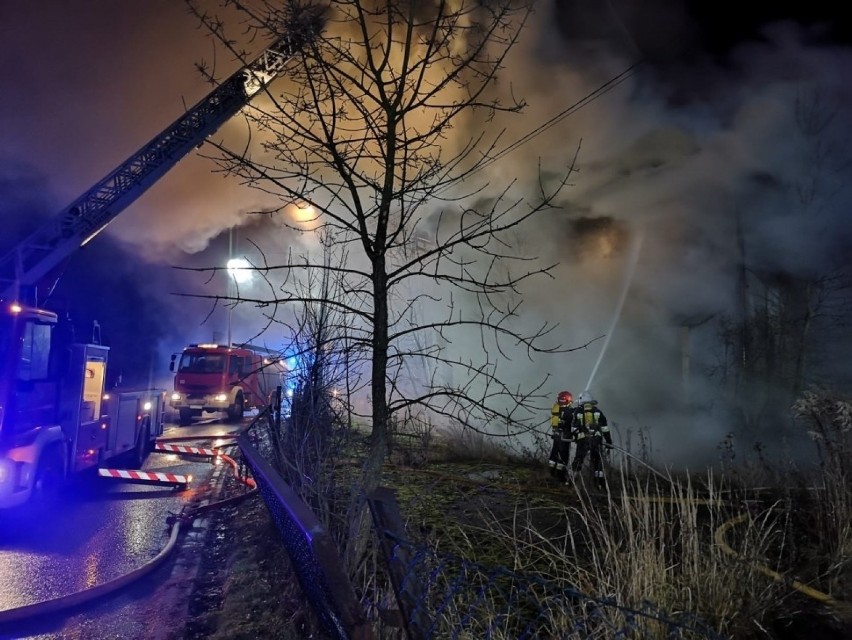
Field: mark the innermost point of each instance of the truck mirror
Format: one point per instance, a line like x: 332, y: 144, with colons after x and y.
x: 172, y: 363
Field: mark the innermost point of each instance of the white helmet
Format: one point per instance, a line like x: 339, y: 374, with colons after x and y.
x: 586, y: 398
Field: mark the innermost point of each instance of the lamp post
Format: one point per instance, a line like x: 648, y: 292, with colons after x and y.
x: 240, y: 271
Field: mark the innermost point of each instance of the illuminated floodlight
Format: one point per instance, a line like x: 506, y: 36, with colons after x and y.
x: 240, y: 270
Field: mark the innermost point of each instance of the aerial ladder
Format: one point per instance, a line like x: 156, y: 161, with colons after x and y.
x: 35, y: 260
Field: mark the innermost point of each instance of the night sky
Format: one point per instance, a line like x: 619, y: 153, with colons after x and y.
x: 703, y: 127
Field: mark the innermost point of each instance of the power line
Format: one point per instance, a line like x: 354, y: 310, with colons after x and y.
x: 584, y: 101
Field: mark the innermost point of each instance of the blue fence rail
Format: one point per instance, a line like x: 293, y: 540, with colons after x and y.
x: 312, y: 552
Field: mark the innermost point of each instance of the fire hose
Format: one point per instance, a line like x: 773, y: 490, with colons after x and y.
x: 85, y: 596
x: 720, y: 539
x: 719, y: 534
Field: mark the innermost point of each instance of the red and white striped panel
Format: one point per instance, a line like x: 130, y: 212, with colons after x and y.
x: 178, y: 448
x: 127, y: 474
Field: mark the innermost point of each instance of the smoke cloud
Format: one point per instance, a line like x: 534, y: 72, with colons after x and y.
x: 708, y: 137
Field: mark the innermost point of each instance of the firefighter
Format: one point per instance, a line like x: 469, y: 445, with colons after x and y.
x: 592, y: 434
x: 561, y: 418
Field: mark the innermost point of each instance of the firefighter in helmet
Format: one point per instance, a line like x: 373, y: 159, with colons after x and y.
x: 561, y: 418
x: 592, y: 435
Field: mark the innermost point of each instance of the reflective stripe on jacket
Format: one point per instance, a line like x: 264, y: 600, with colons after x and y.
x: 590, y: 421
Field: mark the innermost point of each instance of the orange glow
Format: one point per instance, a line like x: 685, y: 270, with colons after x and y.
x: 606, y: 246
x: 303, y: 215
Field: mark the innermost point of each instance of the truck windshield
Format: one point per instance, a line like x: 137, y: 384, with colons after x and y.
x: 200, y: 362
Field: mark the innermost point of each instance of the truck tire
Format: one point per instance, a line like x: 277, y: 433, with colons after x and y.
x: 48, y: 480
x: 185, y: 417
x: 236, y: 410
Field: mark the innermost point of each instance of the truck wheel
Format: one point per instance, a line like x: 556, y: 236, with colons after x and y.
x: 48, y: 480
x: 236, y: 410
x: 185, y: 417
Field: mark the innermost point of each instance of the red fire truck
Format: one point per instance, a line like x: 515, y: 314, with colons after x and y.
x: 215, y: 377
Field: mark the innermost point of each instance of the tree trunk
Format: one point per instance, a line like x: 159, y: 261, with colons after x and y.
x: 371, y: 472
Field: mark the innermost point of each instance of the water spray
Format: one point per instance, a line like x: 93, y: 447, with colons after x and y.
x: 631, y: 271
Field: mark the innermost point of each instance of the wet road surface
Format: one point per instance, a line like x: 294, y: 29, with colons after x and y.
x: 103, y: 530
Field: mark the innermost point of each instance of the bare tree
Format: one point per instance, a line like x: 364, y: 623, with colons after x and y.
x: 381, y: 129
x: 789, y: 310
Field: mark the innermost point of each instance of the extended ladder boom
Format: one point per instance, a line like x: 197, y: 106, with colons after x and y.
x: 29, y: 264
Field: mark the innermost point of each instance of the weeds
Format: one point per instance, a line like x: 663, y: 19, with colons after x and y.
x: 692, y: 545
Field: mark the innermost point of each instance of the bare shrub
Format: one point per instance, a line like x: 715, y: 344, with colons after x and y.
x: 829, y: 421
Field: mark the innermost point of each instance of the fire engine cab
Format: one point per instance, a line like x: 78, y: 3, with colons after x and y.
x: 215, y: 378
x: 56, y: 421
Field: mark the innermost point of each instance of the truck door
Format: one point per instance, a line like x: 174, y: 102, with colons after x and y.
x: 235, y: 369
x: 33, y: 397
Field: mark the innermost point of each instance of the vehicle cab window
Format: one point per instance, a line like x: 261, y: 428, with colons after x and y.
x: 31, y: 403
x: 236, y: 365
x: 35, y: 352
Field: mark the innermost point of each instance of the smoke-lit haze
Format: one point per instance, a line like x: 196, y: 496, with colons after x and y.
x: 704, y: 130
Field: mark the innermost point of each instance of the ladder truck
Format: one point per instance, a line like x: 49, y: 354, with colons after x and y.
x: 56, y: 421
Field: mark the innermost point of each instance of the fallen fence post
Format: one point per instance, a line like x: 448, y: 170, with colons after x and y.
x: 407, y: 589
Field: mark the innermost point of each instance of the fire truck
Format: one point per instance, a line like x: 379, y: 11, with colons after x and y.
x: 222, y: 378
x: 56, y: 421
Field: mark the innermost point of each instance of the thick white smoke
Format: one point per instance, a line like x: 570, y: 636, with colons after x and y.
x: 687, y: 147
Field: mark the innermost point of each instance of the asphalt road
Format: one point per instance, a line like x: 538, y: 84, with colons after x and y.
x: 101, y: 532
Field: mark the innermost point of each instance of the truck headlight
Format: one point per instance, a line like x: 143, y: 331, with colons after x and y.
x: 147, y: 406
x: 175, y: 396
x: 6, y: 471
x: 221, y: 397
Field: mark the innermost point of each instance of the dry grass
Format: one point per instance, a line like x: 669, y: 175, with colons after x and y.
x: 649, y: 538
x: 654, y: 540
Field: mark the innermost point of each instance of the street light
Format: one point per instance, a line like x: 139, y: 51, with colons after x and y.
x: 240, y: 271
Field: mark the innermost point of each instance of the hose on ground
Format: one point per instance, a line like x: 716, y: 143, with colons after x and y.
x: 721, y: 541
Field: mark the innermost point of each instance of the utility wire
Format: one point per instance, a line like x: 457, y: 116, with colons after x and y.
x: 582, y: 102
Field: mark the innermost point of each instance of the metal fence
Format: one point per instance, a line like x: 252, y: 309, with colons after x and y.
x: 445, y: 596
